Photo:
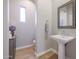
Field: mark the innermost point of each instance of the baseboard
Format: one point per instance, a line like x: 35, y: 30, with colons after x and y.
x: 27, y: 46
x: 42, y: 53
x: 53, y: 50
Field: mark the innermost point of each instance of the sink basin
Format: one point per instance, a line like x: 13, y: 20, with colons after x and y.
x: 61, y: 38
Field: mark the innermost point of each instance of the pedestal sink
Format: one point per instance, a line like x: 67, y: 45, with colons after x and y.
x: 62, y: 40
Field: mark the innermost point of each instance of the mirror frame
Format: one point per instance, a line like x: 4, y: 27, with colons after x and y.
x: 73, y: 17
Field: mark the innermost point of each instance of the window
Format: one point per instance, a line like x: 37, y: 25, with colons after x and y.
x: 22, y: 14
x: 35, y: 17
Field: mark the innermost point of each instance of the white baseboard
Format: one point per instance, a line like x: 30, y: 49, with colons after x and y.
x: 53, y: 50
x: 42, y: 53
x: 27, y: 46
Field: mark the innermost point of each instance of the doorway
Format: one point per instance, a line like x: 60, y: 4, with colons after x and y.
x: 23, y: 19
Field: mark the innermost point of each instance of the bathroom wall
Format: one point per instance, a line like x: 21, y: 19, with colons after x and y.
x: 34, y: 1
x: 71, y: 49
x: 44, y: 12
x: 25, y: 32
x: 71, y: 32
x: 5, y: 30
x: 48, y: 11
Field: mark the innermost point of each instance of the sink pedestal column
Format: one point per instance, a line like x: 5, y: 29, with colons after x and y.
x: 61, y: 51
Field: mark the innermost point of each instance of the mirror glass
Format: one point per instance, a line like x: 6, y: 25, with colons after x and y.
x: 65, y: 15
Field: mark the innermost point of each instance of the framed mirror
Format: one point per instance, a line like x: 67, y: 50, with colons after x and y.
x: 66, y: 16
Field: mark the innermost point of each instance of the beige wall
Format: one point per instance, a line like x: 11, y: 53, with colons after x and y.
x: 25, y: 32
